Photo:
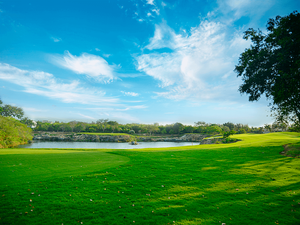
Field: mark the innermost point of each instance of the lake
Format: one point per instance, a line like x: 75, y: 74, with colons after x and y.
x: 111, y: 145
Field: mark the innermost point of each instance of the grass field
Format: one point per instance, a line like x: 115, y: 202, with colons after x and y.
x: 246, y: 182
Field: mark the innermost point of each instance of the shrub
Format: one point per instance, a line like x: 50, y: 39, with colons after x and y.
x: 13, y: 132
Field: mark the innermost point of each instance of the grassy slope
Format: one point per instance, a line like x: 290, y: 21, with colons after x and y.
x: 13, y: 132
x: 246, y: 182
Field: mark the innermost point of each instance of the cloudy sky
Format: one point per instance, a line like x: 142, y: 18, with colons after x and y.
x: 141, y: 61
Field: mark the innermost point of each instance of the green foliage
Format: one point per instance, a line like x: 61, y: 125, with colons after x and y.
x: 143, y: 129
x: 163, y: 131
x: 13, y: 132
x: 178, y: 127
x: 27, y: 121
x: 214, y: 129
x: 230, y: 140
x: 11, y: 111
x: 92, y: 130
x: 229, y: 125
x: 271, y: 65
x: 227, y: 134
x: 242, y: 131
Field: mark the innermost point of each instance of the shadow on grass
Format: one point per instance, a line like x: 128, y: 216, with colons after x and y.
x: 233, y: 185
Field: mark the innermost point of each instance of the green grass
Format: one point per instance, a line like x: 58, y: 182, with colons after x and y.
x: 293, y: 150
x: 105, y: 134
x: 246, y: 182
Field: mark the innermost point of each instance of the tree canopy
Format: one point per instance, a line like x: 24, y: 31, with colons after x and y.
x: 12, y: 111
x: 271, y: 65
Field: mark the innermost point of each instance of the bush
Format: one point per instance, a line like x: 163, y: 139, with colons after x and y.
x: 13, y: 132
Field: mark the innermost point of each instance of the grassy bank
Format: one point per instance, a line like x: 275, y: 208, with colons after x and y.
x: 247, y: 182
x: 13, y: 132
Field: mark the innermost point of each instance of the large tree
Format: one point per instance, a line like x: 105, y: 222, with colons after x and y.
x: 12, y: 111
x: 271, y: 65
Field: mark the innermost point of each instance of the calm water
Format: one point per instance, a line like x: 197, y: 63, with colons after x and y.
x: 52, y: 144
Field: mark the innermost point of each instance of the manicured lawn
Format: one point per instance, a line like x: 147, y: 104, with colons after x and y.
x: 246, y: 182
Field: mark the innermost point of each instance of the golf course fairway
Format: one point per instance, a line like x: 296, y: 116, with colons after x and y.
x: 247, y: 182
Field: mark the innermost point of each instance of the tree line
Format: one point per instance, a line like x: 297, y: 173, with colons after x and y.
x: 108, y: 126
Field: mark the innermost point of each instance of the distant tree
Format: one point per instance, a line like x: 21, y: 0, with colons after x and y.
x: 242, y: 131
x: 92, y: 129
x: 72, y: 124
x: 227, y: 134
x: 225, y: 129
x: 229, y: 124
x: 214, y: 130
x: 113, y: 124
x: 238, y: 126
x: 163, y: 131
x: 102, y: 123
x: 50, y: 128
x: 79, y: 127
x: 136, y: 128
x: 271, y: 66
x: 12, y: 111
x: 178, y: 127
x: 268, y: 127
x: 200, y: 123
x: 56, y: 126
x: 152, y: 128
x: 189, y: 129
x: 131, y: 132
x: 27, y: 121
x: 169, y: 128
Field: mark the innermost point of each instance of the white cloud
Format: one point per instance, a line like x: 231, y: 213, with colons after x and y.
x: 106, y: 55
x: 33, y: 109
x: 45, y: 84
x: 164, y: 37
x: 125, y: 108
x: 150, y: 2
x: 145, y: 12
x: 130, y: 93
x: 235, y: 9
x: 197, y: 66
x: 156, y: 11
x: 97, y: 49
x: 56, y: 39
x: 90, y: 65
x: 85, y: 116
x: 124, y: 117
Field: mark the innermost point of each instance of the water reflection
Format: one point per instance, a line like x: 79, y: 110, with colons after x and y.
x: 112, y: 145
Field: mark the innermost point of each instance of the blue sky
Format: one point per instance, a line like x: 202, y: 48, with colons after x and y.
x: 141, y: 61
